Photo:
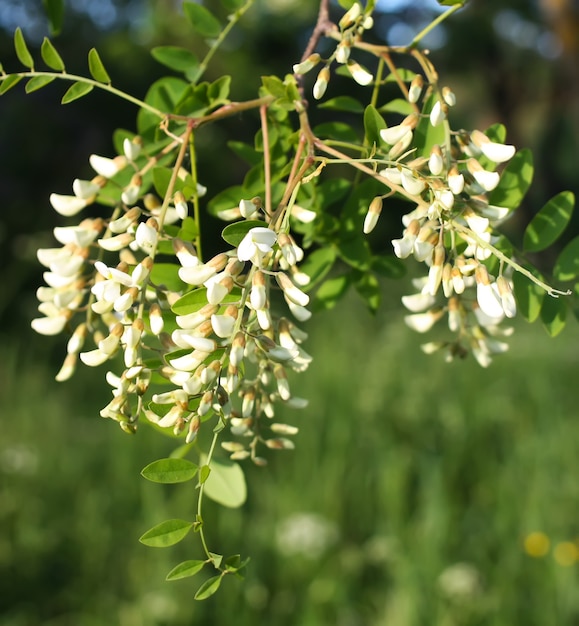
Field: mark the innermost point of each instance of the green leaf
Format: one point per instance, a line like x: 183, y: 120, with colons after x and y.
x: 234, y: 233
x: 208, y: 588
x: 170, y: 471
x: 38, y: 82
x: 21, y: 48
x: 202, y: 20
x: 337, y: 131
x: 373, y: 124
x: 549, y: 223
x: 197, y: 299
x: 567, y: 265
x: 232, y: 5
x: 166, y: 533
x: 50, y: 56
x: 185, y: 569
x: 204, y: 472
x: 346, y: 4
x: 356, y: 252
x: 216, y: 559
x: 528, y: 295
x: 164, y: 95
x: 343, y: 103
x: 389, y: 266
x: 76, y: 91
x: 331, y: 291
x: 96, y: 67
x: 368, y: 287
x: 426, y: 136
x: 397, y: 105
x: 218, y: 91
x: 226, y: 483
x: 188, y: 230
x: 451, y: 3
x: 515, y: 181
x: 55, y: 13
x: 9, y: 82
x: 553, y: 315
x: 317, y: 265
x: 175, y: 58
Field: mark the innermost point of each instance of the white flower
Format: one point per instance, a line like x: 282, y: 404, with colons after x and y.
x: 438, y: 113
x: 418, y: 302
x: 487, y: 180
x: 107, y: 167
x: 423, y: 322
x: 359, y: 74
x: 84, y: 189
x: 67, y: 205
x: 497, y: 152
x: 258, y: 242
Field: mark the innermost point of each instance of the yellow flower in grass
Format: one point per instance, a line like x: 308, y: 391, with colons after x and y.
x: 566, y: 553
x: 537, y: 544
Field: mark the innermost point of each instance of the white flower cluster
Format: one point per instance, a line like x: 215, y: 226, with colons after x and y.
x: 450, y: 229
x: 351, y: 26
x: 213, y: 346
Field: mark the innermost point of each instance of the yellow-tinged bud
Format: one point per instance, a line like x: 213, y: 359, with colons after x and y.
x: 373, y: 214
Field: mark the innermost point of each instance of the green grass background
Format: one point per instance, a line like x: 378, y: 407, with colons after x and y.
x: 406, y: 502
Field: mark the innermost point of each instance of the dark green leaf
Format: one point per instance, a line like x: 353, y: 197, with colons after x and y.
x: 553, y: 314
x: 367, y: 286
x: 38, y: 82
x: 96, y: 67
x: 331, y: 291
x: 546, y: 227
x: 175, y: 58
x: 218, y: 91
x: 567, y: 265
x: 528, y: 295
x: 343, y: 103
x: 234, y: 233
x: 8, y: 82
x: 515, y: 181
x: 317, y: 265
x: 170, y: 471
x: 76, y: 91
x: 338, y: 131
x: 397, y: 105
x: 166, y: 533
x: 50, y: 56
x: 232, y: 5
x: 55, y: 13
x: 226, y: 483
x: 356, y: 252
x: 202, y: 20
x: 185, y: 569
x: 208, y: 588
x: 164, y: 95
x: 373, y: 124
x: 21, y: 48
x: 389, y: 266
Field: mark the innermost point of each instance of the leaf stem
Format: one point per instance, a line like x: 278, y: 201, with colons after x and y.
x: 435, y: 22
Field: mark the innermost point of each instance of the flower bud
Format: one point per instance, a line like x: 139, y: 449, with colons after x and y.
x: 321, y: 83
x: 373, y: 214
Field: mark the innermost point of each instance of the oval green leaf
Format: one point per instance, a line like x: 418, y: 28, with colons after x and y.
x: 96, y: 67
x: 197, y: 299
x: 175, y: 58
x: 553, y: 315
x: 343, y: 103
x: 38, y: 82
x: 76, y: 91
x: 202, y: 20
x: 567, y: 265
x: 185, y: 569
x: 426, y: 136
x: 208, y: 588
x: 166, y: 533
x: 226, y: 483
x: 317, y: 265
x: 546, y: 227
x: 234, y: 233
x: 528, y: 295
x: 8, y: 82
x: 515, y: 181
x: 50, y: 56
x: 170, y: 471
x: 21, y: 48
x: 331, y: 291
x: 373, y: 124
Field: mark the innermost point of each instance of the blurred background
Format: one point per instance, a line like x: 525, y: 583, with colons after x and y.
x: 420, y: 493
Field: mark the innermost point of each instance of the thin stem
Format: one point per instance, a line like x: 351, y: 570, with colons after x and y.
x: 555, y: 293
x: 266, y: 157
x: 196, y: 207
x: 94, y: 83
x: 434, y: 24
x: 200, y: 497
x: 227, y: 110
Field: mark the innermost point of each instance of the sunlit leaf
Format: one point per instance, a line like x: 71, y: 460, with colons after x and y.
x: 389, y: 266
x: 202, y: 20
x: 549, y: 223
x: 166, y: 533
x: 38, y: 82
x: 515, y: 181
x: 21, y: 48
x: 397, y: 105
x: 343, y: 103
x: 226, y: 483
x: 76, y: 91
x: 331, y: 291
x: 50, y: 56
x: 9, y: 82
x: 317, y: 265
x: 170, y: 471
x: 197, y: 299
x: 373, y: 124
x: 426, y: 136
x: 185, y: 569
x: 553, y: 315
x: 528, y: 295
x: 208, y: 588
x: 234, y: 233
x: 96, y: 67
x: 567, y: 265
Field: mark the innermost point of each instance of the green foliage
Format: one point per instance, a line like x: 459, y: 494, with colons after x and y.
x: 549, y: 223
x: 166, y: 533
x: 225, y: 484
x: 170, y: 471
x: 201, y: 19
x: 96, y: 67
